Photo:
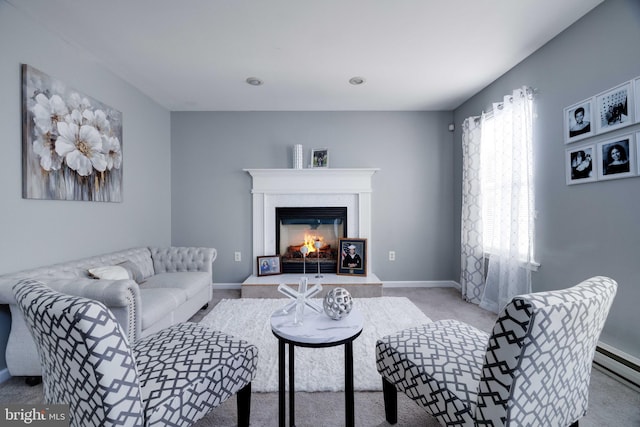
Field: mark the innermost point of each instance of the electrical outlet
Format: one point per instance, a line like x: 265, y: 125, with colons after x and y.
x: 392, y: 255
x: 237, y: 257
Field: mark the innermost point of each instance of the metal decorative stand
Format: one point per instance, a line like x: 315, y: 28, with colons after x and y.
x: 304, y: 251
x: 318, y: 244
x: 301, y: 298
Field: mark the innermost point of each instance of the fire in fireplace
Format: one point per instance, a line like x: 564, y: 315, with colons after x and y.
x: 317, y: 228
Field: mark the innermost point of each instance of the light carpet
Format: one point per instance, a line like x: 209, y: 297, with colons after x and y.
x: 317, y: 369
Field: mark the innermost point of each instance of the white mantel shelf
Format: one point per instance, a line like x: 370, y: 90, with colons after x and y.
x: 312, y: 180
x: 329, y: 187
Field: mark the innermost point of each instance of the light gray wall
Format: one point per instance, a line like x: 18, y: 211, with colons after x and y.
x: 588, y: 229
x: 412, y: 202
x: 40, y: 232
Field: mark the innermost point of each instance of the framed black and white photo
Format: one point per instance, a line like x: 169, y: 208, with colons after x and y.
x: 353, y: 257
x: 578, y: 121
x: 616, y: 158
x: 615, y: 108
x: 638, y: 150
x: 269, y: 265
x: 320, y: 158
x: 580, y: 164
x: 636, y: 84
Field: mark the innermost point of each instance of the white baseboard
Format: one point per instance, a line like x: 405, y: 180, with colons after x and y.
x: 227, y: 286
x: 4, y: 375
x: 421, y: 284
x: 619, y: 364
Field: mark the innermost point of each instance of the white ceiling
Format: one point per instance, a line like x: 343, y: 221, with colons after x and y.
x: 414, y: 54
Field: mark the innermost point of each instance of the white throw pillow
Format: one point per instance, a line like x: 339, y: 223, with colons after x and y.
x: 113, y: 272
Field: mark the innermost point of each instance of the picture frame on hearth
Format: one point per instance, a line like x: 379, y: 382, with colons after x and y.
x: 353, y: 257
x: 320, y: 158
x: 269, y: 265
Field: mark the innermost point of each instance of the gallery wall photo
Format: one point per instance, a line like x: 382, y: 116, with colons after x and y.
x: 596, y: 158
x: 71, y: 142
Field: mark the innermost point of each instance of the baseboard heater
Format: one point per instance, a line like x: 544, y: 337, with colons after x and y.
x: 619, y: 364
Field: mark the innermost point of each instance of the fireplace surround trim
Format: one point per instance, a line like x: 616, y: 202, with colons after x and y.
x: 273, y: 188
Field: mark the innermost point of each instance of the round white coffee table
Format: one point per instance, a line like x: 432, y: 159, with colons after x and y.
x: 316, y: 331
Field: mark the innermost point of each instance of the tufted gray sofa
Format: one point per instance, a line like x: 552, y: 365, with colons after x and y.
x: 175, y: 283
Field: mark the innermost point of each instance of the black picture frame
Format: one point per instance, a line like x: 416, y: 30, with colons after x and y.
x: 356, y: 266
x: 269, y: 265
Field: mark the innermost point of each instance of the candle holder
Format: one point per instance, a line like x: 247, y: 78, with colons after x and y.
x: 317, y: 245
x: 304, y: 251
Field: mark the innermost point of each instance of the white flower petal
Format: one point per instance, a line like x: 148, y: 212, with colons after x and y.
x: 42, y: 118
x: 79, y: 163
x: 91, y: 136
x: 58, y: 107
x: 74, y: 100
x: 99, y: 161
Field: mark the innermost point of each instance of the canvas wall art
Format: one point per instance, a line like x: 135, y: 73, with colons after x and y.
x: 72, y: 143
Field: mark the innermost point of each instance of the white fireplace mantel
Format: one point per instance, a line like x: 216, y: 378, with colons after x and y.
x: 307, y: 188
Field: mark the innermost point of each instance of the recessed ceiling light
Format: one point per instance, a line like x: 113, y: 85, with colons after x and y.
x: 254, y: 81
x: 357, y: 80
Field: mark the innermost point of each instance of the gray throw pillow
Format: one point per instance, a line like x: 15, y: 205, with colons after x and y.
x: 134, y: 271
x: 112, y: 272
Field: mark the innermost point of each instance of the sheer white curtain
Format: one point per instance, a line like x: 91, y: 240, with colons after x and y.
x: 472, y: 251
x: 506, y: 201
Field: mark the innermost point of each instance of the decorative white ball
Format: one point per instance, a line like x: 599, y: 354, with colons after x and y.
x: 337, y: 303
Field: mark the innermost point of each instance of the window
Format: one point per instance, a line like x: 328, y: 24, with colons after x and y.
x: 507, y: 182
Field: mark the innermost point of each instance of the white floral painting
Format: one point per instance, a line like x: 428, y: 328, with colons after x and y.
x: 72, y: 143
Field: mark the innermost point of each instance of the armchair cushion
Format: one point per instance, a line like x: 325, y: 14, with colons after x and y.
x: 188, y: 369
x: 438, y: 365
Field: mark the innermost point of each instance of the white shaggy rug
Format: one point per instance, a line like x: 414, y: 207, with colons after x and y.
x: 317, y: 369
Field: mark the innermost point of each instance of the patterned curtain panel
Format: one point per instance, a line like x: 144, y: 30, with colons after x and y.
x: 472, y: 274
x: 510, y: 199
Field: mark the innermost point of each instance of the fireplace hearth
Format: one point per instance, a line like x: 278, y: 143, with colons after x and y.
x: 318, y: 229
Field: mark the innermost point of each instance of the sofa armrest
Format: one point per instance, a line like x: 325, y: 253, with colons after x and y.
x: 180, y: 259
x: 122, y: 297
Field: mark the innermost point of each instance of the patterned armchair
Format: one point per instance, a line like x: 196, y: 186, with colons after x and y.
x: 532, y: 370
x: 173, y: 377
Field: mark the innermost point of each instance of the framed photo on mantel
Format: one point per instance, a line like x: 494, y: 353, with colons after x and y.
x: 320, y: 158
x: 353, y: 257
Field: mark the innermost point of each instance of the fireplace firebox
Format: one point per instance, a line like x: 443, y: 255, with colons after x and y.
x: 316, y: 228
